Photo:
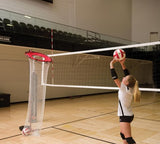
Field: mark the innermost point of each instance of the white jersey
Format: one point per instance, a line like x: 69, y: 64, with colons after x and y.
x: 125, y: 96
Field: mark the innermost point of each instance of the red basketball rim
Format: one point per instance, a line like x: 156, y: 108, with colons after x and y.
x: 37, y: 56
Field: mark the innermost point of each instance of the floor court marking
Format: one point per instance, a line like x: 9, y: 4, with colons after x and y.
x: 147, y: 119
x: 85, y: 119
x: 10, y: 137
x: 146, y: 104
x: 84, y: 135
x: 61, y: 124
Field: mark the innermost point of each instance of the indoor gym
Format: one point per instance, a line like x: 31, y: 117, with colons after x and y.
x: 72, y: 115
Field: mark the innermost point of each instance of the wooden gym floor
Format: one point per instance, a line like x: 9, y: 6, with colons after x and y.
x: 84, y: 120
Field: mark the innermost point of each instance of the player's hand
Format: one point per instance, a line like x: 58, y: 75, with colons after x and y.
x: 122, y: 61
x: 112, y: 62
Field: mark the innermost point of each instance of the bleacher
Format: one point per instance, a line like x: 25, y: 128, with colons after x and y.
x: 35, y: 32
x: 24, y: 33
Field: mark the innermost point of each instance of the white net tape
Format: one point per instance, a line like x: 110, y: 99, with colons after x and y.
x: 107, y: 49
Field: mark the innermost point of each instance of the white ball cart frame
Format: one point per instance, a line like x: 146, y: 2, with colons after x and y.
x: 38, y: 65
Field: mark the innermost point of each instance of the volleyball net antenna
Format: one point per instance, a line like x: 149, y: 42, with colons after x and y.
x: 90, y: 68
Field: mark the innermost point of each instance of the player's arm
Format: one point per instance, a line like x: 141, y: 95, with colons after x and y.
x: 114, y: 74
x: 125, y: 70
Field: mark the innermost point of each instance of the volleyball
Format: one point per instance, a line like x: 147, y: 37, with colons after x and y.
x: 119, y: 54
x: 26, y: 131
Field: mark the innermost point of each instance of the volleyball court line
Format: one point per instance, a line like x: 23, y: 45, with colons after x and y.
x: 55, y: 126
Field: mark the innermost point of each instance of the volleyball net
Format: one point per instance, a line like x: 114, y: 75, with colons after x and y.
x: 90, y: 68
x: 87, y: 70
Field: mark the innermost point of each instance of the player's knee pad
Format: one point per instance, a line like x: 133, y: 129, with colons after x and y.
x: 122, y: 136
x: 130, y: 140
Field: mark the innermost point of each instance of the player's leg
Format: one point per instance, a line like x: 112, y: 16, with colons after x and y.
x: 125, y: 128
x: 123, y: 138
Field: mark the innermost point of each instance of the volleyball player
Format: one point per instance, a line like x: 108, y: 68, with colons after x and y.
x: 128, y: 88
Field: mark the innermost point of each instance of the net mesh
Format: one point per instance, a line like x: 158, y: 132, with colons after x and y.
x: 90, y: 69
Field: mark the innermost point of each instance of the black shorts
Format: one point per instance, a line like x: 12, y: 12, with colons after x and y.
x: 128, y: 119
